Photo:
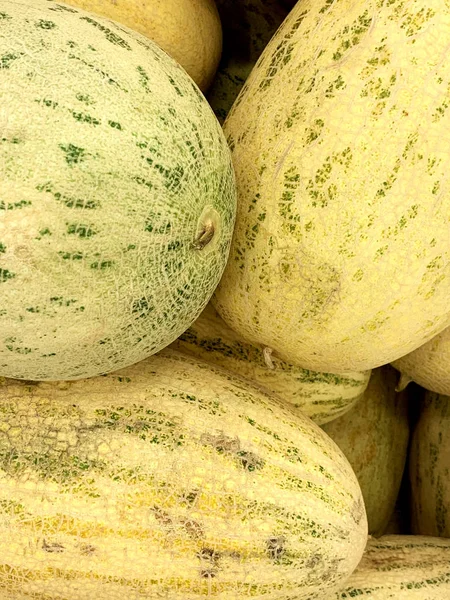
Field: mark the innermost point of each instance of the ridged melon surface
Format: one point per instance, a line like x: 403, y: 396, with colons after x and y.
x: 170, y: 479
x: 117, y: 194
x: 321, y: 396
x: 401, y: 567
x: 189, y: 30
x: 374, y: 436
x: 428, y: 365
x: 429, y: 468
x: 341, y: 254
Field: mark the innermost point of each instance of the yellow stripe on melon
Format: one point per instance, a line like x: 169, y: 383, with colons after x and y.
x: 170, y: 478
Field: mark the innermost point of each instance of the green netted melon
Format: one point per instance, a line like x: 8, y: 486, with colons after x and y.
x: 117, y: 194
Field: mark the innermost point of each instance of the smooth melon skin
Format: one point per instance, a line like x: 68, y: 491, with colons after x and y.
x: 170, y: 479
x: 374, y: 437
x: 189, y: 30
x: 341, y: 257
x: 428, y: 365
x: 401, y: 567
x: 429, y: 468
x: 321, y: 396
x: 118, y: 195
x: 247, y: 27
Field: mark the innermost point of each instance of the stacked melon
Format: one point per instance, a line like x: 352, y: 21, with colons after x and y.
x: 285, y: 259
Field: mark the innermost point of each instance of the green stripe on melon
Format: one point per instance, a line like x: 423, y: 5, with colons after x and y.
x: 118, y: 194
x: 321, y: 396
x: 170, y: 478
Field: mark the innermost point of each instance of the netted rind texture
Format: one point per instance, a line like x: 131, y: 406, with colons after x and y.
x: 113, y: 167
x: 188, y: 30
x: 170, y: 479
x: 321, y: 396
x: 341, y: 254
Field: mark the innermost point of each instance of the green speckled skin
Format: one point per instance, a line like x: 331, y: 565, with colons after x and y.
x: 321, y: 396
x: 111, y: 161
x: 429, y: 468
x: 170, y: 479
x: 400, y: 567
x: 374, y: 436
x: 341, y: 254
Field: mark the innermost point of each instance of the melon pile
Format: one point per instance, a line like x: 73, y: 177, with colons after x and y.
x: 225, y: 326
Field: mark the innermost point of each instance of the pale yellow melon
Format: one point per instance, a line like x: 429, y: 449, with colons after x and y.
x: 374, y: 437
x: 189, y: 30
x: 341, y: 255
x: 428, y: 365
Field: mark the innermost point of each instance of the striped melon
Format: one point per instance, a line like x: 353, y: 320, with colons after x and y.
x: 118, y: 195
x: 428, y: 365
x: 189, y: 30
x: 321, y: 396
x: 247, y: 26
x: 170, y: 479
x: 429, y: 468
x: 341, y: 255
x: 401, y: 567
x: 374, y: 437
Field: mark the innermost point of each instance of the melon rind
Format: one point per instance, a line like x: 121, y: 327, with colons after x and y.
x: 341, y: 253
x: 170, y: 478
x: 110, y: 162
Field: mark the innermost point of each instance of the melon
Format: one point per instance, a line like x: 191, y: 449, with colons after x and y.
x: 429, y: 468
x: 401, y: 567
x: 341, y: 254
x: 321, y: 396
x: 170, y: 479
x: 428, y: 365
x: 189, y: 30
x: 118, y: 194
x: 247, y: 27
x: 374, y: 436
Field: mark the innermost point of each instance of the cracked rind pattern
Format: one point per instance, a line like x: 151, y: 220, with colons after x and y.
x: 429, y: 468
x: 111, y: 162
x: 170, y: 478
x: 321, y: 396
x: 374, y: 437
x: 340, y: 258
